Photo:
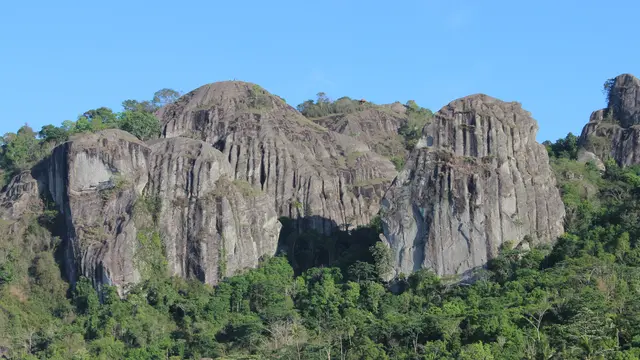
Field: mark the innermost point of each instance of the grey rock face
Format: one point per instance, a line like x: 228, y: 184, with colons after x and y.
x: 212, y: 226
x: 310, y: 172
x: 20, y: 197
x: 615, y: 130
x: 113, y: 190
x: 624, y: 100
x: 95, y: 180
x: 587, y: 156
x: 377, y: 127
x: 476, y: 180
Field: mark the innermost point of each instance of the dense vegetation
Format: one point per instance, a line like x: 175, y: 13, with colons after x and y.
x: 324, y: 106
x: 576, y: 300
x: 324, y: 297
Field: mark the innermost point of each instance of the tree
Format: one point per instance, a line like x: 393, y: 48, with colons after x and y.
x: 161, y: 98
x: 141, y: 124
x: 22, y: 150
x: 382, y: 259
x: 101, y: 118
x: 565, y: 148
x: 50, y: 133
x: 607, y: 87
x: 164, y: 97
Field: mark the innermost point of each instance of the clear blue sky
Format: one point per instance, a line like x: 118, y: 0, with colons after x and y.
x: 58, y: 59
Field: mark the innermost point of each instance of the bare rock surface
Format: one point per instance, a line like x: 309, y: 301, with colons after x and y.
x: 376, y: 126
x: 118, y: 194
x: 312, y: 173
x: 615, y: 130
x: 213, y: 226
x: 476, y: 180
x: 19, y: 200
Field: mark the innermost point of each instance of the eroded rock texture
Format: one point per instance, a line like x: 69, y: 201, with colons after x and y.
x: 327, y: 178
x: 20, y: 199
x: 615, y: 130
x: 476, y: 180
x: 117, y: 194
x: 212, y: 226
x: 376, y: 126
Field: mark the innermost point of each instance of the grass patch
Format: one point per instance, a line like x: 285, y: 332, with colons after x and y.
x: 352, y: 158
x: 577, y: 181
x: 398, y: 162
x: 246, y: 189
x: 370, y: 182
x: 116, y: 184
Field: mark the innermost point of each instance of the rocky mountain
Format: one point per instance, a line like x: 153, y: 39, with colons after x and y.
x: 327, y: 178
x: 476, y: 180
x: 204, y: 200
x: 615, y: 130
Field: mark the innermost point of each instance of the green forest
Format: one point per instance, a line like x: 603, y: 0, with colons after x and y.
x: 577, y: 299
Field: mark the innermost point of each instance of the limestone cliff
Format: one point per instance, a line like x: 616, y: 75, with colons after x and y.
x: 615, y: 130
x: 329, y: 179
x: 125, y: 201
x: 476, y: 180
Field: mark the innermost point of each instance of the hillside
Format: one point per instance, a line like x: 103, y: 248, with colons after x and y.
x: 225, y: 223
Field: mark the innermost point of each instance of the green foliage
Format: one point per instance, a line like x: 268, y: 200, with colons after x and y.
x: 381, y: 254
x: 398, y: 162
x: 141, y: 124
x: 259, y: 98
x: 323, y: 106
x: 53, y: 134
x: 606, y: 88
x: 150, y: 256
x: 246, y: 188
x: 563, y: 148
x: 20, y: 151
x: 327, y: 298
x: 164, y: 97
x: 418, y: 117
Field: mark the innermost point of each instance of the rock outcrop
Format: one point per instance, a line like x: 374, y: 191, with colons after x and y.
x: 213, y: 226
x: 312, y: 173
x: 19, y: 200
x: 476, y: 180
x: 377, y: 126
x: 615, y: 130
x: 128, y: 206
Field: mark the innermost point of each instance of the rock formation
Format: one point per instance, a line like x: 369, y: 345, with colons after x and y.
x: 312, y: 173
x: 213, y: 226
x: 20, y: 198
x: 128, y: 205
x: 615, y: 130
x: 204, y: 200
x: 476, y: 180
x: 376, y: 126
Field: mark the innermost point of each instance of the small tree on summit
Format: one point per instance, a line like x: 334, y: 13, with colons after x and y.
x: 606, y: 88
x: 164, y: 97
